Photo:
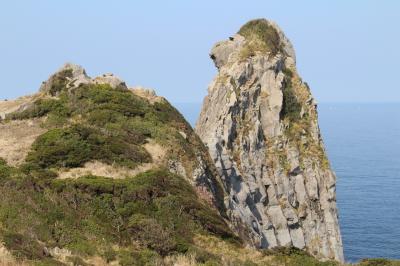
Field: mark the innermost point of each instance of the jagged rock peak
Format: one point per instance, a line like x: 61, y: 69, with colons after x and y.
x: 69, y: 74
x: 259, y: 121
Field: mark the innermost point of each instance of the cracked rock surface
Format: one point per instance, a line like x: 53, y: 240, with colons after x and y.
x: 259, y: 122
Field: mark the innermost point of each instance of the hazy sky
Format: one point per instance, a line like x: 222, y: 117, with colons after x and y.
x: 348, y: 51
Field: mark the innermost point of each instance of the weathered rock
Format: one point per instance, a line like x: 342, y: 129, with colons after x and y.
x: 148, y: 94
x: 111, y: 80
x: 72, y: 76
x: 259, y: 122
x: 69, y: 75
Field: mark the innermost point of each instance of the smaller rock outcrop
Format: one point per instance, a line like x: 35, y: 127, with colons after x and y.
x: 69, y: 75
x: 111, y: 80
x: 149, y: 94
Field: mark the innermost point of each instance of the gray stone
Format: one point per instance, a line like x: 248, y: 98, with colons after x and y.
x: 282, y: 194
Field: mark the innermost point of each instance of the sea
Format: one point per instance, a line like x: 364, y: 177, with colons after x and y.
x: 363, y: 146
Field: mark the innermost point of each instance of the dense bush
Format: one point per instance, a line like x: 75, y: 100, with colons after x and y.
x: 102, y: 97
x: 76, y: 145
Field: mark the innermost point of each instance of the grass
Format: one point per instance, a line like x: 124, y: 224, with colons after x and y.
x: 291, y: 107
x: 211, y: 250
x: 261, y: 37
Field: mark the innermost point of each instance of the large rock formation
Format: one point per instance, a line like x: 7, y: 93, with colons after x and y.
x: 259, y: 122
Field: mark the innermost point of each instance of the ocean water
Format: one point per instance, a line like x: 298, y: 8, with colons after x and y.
x: 363, y: 145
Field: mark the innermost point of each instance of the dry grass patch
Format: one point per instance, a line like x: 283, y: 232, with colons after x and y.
x: 7, y: 107
x: 17, y: 137
x: 6, y: 259
x: 97, y: 168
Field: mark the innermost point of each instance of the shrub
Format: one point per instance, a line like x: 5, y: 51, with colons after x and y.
x: 151, y: 234
x: 104, y: 97
x: 76, y: 145
x: 60, y: 148
x: 5, y: 170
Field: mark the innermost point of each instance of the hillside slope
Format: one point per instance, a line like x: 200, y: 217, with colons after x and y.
x: 92, y: 170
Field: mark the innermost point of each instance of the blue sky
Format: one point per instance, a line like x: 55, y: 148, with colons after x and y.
x: 348, y: 51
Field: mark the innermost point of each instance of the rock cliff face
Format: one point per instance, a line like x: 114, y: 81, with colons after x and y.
x: 259, y: 122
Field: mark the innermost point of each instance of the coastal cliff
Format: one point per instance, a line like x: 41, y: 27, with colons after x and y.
x: 259, y: 122
x: 95, y: 172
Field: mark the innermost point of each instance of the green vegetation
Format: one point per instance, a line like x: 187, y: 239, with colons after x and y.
x: 59, y: 81
x: 141, y: 220
x: 76, y: 145
x: 296, y: 257
x: 379, y: 262
x: 88, y: 215
x: 148, y: 217
x: 97, y: 122
x: 261, y: 37
x: 40, y: 108
x: 291, y: 107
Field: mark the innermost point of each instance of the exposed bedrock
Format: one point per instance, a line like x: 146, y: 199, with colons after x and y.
x: 260, y: 124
